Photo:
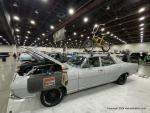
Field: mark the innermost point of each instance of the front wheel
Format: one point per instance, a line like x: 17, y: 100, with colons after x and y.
x: 51, y: 97
x: 122, y: 79
x: 105, y: 47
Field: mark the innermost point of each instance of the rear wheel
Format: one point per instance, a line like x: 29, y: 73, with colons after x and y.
x: 88, y: 45
x: 51, y: 97
x: 106, y: 47
x: 122, y: 79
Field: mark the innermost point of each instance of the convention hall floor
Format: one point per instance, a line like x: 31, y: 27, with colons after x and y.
x: 109, y: 98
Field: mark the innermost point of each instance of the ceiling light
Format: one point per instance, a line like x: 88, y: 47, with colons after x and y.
x: 141, y: 18
x: 36, y: 12
x: 44, y: 0
x: 16, y: 18
x: 96, y: 25
x: 108, y: 32
x: 69, y: 38
x: 82, y: 35
x: 141, y: 10
x: 85, y: 19
x: 17, y: 30
x: 28, y: 32
x: 32, y: 22
x: 111, y: 34
x: 102, y: 29
x: 141, y: 25
x: 38, y: 38
x: 142, y: 32
x: 43, y: 34
x: 1, y: 36
x: 26, y: 37
x: 15, y: 4
x: 141, y: 28
x: 71, y: 11
x: 88, y: 37
x: 74, y: 33
x: 51, y: 27
x: 17, y: 36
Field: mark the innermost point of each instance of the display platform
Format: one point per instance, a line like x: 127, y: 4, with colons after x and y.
x: 133, y: 97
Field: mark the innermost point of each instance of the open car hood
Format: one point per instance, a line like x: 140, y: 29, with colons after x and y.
x: 35, y: 51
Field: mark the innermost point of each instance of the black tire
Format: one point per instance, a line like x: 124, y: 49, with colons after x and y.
x: 51, y: 97
x: 88, y: 45
x: 122, y: 79
x: 106, y: 49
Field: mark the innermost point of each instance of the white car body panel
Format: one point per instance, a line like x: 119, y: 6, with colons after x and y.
x: 81, y: 78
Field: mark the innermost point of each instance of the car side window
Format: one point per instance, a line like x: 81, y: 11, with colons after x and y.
x: 107, y: 60
x: 94, y: 62
x: 86, y: 64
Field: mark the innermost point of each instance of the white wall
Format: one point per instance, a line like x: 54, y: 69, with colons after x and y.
x: 7, y: 48
x: 50, y: 49
x: 137, y: 47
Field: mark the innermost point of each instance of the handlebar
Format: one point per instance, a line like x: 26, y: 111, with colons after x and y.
x: 95, y: 29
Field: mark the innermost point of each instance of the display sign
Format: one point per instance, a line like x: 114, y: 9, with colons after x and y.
x: 59, y: 35
x: 48, y: 81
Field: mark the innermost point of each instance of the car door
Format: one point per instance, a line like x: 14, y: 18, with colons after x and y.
x: 91, y: 74
x: 111, y: 68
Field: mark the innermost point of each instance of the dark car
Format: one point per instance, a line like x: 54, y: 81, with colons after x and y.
x: 135, y: 57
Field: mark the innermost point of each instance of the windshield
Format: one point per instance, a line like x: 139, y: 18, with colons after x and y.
x: 77, y: 61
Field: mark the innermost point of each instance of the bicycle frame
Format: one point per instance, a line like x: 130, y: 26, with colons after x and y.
x: 98, y: 40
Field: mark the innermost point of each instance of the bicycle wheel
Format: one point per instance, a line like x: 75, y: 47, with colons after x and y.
x: 105, y: 47
x: 88, y: 45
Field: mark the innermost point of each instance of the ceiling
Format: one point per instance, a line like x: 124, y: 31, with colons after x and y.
x: 38, y: 17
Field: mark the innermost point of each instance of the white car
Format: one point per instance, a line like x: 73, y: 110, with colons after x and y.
x: 79, y: 74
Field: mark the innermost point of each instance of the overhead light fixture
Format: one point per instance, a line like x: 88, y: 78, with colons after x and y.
x: 71, y: 11
x: 36, y: 12
x: 17, y: 36
x: 16, y: 18
x: 17, y: 30
x: 111, y: 34
x: 51, y: 27
x: 88, y: 37
x: 26, y: 37
x: 74, y: 33
x: 28, y: 32
x: 102, y: 29
x: 141, y: 28
x: 141, y: 10
x: 82, y: 35
x: 85, y: 19
x: 44, y: 1
x: 107, y: 32
x: 43, y: 34
x: 69, y: 38
x: 141, y: 25
x: 96, y: 25
x: 142, y: 32
x: 32, y: 22
x: 15, y: 4
x: 1, y: 36
x: 38, y: 38
x: 141, y: 18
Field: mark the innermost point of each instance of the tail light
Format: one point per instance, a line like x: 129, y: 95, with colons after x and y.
x: 64, y: 76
